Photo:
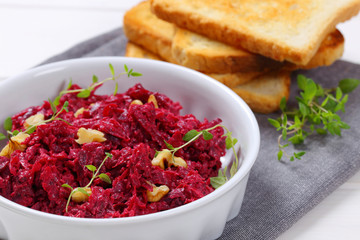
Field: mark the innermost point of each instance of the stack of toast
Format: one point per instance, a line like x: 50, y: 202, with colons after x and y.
x: 251, y: 49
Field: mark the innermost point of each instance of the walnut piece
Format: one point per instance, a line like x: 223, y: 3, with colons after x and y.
x: 89, y: 136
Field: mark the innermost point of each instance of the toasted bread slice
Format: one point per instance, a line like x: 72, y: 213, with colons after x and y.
x: 279, y: 29
x: 133, y: 50
x: 200, y: 53
x: 263, y: 93
x: 145, y: 29
x: 197, y: 52
x: 331, y: 49
x: 228, y: 79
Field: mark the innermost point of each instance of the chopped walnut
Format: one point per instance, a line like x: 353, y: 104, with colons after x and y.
x: 89, y: 135
x: 15, y: 143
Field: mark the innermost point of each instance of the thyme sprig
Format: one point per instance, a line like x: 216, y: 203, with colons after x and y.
x: 54, y: 116
x: 81, y: 93
x: 316, y: 113
x: 86, y: 92
x: 95, y: 174
x: 230, y: 142
x: 30, y: 129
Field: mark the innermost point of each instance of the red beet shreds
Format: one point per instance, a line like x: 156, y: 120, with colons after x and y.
x: 133, y: 134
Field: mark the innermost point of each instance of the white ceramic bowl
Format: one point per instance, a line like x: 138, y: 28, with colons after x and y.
x: 199, y: 94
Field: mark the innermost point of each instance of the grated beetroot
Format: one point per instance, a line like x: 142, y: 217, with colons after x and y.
x: 34, y: 177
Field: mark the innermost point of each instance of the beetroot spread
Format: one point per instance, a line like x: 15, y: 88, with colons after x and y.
x: 52, y: 156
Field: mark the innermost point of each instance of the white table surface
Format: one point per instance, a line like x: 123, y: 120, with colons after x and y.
x: 34, y: 30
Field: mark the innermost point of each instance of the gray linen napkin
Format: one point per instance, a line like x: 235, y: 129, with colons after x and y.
x: 278, y: 193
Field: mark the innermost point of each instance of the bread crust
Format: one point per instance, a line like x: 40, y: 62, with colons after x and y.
x: 205, y: 55
x: 330, y: 50
x: 262, y: 92
x: 200, y: 53
x: 298, y: 45
x: 228, y: 79
x: 144, y: 29
x: 133, y: 50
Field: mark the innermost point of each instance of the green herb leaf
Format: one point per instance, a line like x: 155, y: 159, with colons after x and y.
x: 274, y: 122
x: 234, y: 141
x: 82, y: 190
x: 69, y: 84
x: 129, y: 72
x: 348, y: 85
x: 190, y: 135
x: 116, y: 88
x: 84, y: 93
x: 105, y: 178
x: 280, y: 154
x: 283, y: 104
x: 56, y: 101
x: 310, y: 90
x: 8, y: 124
x: 301, y: 81
x: 53, y: 107
x: 299, y: 155
x: 338, y: 93
x: 65, y: 185
x: 296, y: 139
x: 91, y: 167
x: 126, y: 68
x: 233, y: 169
x: 2, y: 136
x: 112, y: 69
x: 229, y: 141
x: 156, y: 153
x: 95, y: 79
x: 321, y: 131
x: 304, y: 109
x: 218, y: 181
x: 169, y: 146
x: 65, y: 106
x: 207, y: 135
x: 31, y: 129
x: 135, y: 74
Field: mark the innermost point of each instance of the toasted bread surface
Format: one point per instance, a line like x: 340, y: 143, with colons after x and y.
x: 330, y: 50
x: 209, y: 56
x: 228, y: 79
x: 262, y: 93
x: 201, y: 53
x: 289, y: 30
x: 133, y: 50
x: 145, y: 29
x: 188, y: 49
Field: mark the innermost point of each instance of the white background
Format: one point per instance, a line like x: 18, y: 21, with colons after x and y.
x: 34, y: 30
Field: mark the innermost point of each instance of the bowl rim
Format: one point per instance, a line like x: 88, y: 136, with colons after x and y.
x: 241, y: 173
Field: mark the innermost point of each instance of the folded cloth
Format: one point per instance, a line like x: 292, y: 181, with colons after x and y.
x: 278, y: 193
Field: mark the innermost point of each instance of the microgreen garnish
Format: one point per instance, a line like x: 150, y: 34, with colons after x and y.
x: 86, y: 92
x: 230, y: 142
x: 30, y: 129
x: 316, y: 113
x: 55, y: 116
x: 222, y: 178
x: 95, y: 174
x: 7, y: 126
x: 81, y: 93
